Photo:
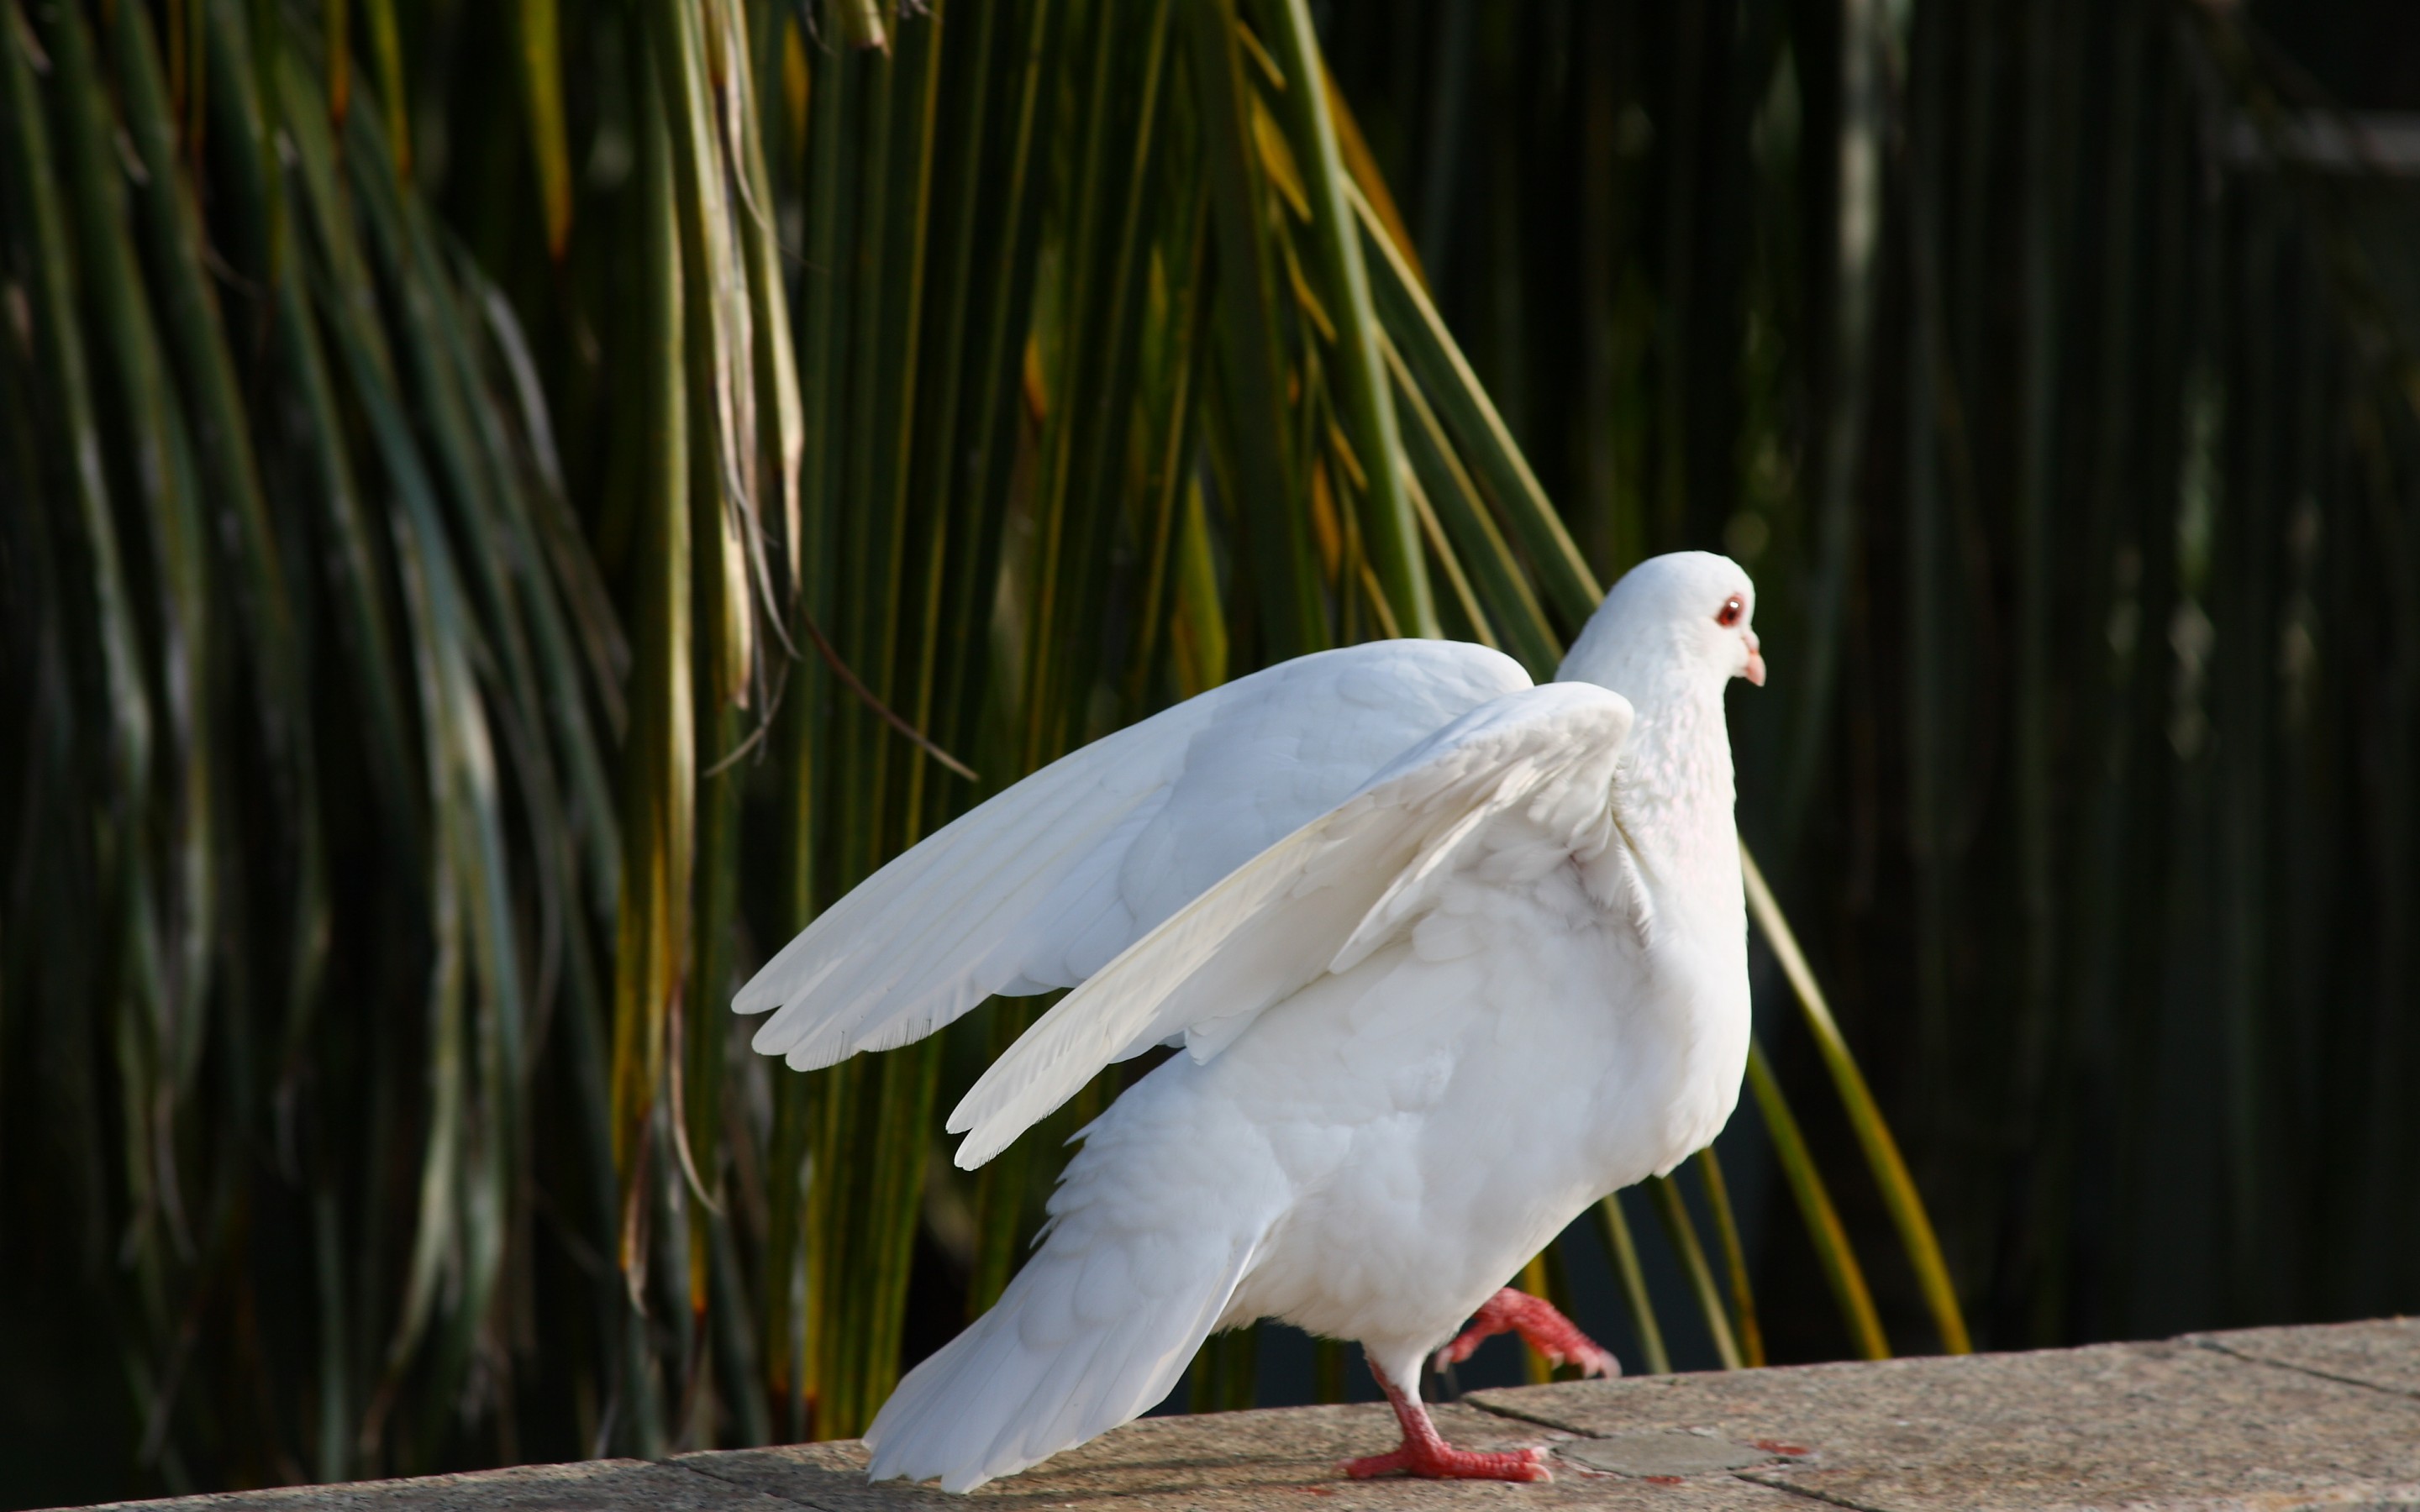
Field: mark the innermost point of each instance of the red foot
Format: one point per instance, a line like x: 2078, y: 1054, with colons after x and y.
x: 1445, y: 1462
x: 1536, y: 1320
x: 1425, y: 1453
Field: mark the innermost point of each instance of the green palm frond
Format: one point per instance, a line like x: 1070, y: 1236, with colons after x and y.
x: 509, y: 512
x: 1042, y: 381
x: 1047, y: 399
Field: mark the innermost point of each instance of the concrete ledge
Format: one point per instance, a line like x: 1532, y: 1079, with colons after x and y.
x: 2279, y: 1418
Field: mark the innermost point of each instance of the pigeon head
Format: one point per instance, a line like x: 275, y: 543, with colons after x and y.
x: 1674, y: 625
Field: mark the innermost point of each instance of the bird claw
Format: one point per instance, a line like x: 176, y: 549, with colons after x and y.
x: 1424, y: 1452
x: 1441, y: 1463
x: 1541, y: 1326
x: 1592, y: 1361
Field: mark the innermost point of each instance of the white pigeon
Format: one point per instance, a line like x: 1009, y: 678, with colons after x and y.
x: 1451, y: 956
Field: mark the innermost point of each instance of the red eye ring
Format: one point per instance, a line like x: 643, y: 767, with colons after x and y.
x: 1731, y: 611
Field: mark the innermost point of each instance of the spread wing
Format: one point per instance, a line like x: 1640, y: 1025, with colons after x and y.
x: 1322, y: 899
x: 1048, y: 881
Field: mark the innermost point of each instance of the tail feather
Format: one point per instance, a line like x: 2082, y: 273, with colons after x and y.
x: 1048, y: 1367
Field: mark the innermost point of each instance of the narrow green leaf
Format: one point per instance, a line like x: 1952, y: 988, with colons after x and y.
x: 337, y: 36
x: 1328, y: 1370
x: 1247, y: 433
x: 1501, y: 584
x: 1623, y: 1250
x: 659, y: 783
x: 182, y: 562
x: 189, y: 316
x: 1368, y: 410
x: 542, y: 67
x: 862, y: 24
x: 1744, y: 1326
x: 720, y: 336
x: 1173, y: 477
x: 1096, y: 296
x: 1456, y: 579
x: 1682, y: 1231
x: 478, y: 1019
x: 1368, y: 180
x: 1479, y: 434
x: 386, y: 53
x: 779, y: 419
x: 100, y: 608
x: 1200, y: 632
x: 1225, y: 1371
x: 1882, y: 1158
x: 1831, y: 1241
x: 1533, y: 1279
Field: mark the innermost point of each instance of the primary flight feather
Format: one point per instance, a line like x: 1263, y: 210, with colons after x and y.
x: 1450, y: 956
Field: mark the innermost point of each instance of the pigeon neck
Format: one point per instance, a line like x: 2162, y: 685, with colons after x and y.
x: 1680, y: 750
x: 1675, y: 792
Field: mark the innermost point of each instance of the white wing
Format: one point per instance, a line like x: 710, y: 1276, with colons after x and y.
x: 1322, y: 899
x: 1048, y: 881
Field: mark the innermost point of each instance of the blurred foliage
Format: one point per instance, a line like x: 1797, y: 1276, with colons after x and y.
x: 510, y: 509
x: 2050, y: 366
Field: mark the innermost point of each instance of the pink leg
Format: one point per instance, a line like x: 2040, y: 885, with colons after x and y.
x: 1536, y: 1320
x: 1425, y: 1453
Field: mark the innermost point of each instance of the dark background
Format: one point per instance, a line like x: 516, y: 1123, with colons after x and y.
x: 2101, y: 528
x: 2080, y: 491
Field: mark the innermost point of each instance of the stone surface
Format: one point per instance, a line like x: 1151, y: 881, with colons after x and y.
x: 1285, y: 1457
x: 2283, y: 1419
x: 2384, y: 1355
x: 1669, y: 1454
x: 590, y: 1486
x: 2172, y: 1425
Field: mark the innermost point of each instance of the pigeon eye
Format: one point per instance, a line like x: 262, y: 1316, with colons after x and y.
x: 1731, y: 611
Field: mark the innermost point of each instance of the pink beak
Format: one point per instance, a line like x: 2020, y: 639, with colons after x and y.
x: 1754, y: 671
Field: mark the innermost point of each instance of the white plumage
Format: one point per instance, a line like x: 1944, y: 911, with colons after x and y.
x: 1451, y: 956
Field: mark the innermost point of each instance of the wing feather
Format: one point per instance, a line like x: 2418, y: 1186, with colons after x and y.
x: 1049, y: 881
x: 1320, y: 899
